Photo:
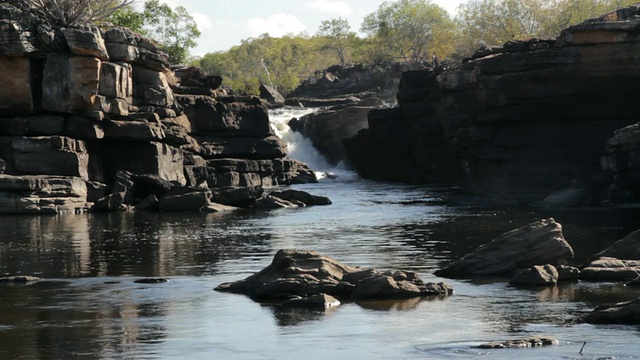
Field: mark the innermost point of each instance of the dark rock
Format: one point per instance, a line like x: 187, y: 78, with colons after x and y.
x: 315, y: 301
x: 151, y: 281
x: 86, y: 42
x: 20, y: 279
x: 272, y: 202
x: 271, y: 95
x: 240, y: 197
x: 304, y: 273
x: 541, y: 242
x: 193, y: 201
x: 302, y: 197
x: 568, y: 273
x: 621, y: 313
x: 625, y: 248
x: 242, y: 147
x: 611, y: 269
x: 214, y: 208
x: 539, y: 275
x: 529, y: 342
x: 150, y: 202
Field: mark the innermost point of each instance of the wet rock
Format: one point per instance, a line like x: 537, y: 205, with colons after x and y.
x: 611, y: 269
x: 621, y: 313
x: 568, y: 273
x: 214, y: 208
x: 272, y: 202
x: 240, y: 197
x: 151, y: 202
x: 529, y: 342
x: 302, y: 273
x: 539, y: 275
x: 20, y: 279
x: 193, y: 201
x: 541, y: 242
x: 297, y: 196
x: 315, y: 301
x: 151, y: 281
x: 626, y: 248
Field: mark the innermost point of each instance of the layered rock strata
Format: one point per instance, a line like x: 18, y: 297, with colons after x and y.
x: 524, y: 119
x: 91, y: 117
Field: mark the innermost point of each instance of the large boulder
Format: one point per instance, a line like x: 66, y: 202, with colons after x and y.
x: 626, y: 248
x: 627, y: 312
x: 541, y: 242
x: 303, y: 273
x: 539, y: 275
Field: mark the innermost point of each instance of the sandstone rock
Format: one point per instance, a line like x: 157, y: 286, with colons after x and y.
x: 536, y: 341
x: 150, y: 87
x: 15, y: 40
x: 301, y: 196
x: 146, y: 158
x: 327, y: 129
x: 20, y: 279
x: 541, y: 242
x: 32, y: 125
x: 272, y: 202
x: 151, y: 202
x: 271, y: 95
x: 611, y: 269
x: 214, y: 208
x: 626, y: 248
x: 133, y: 131
x: 539, y: 275
x: 83, y: 129
x: 322, y: 102
x: 193, y: 201
x: 15, y: 74
x: 47, y: 155
x: 86, y: 42
x: 621, y: 313
x: 568, y: 273
x: 124, y: 45
x: 303, y: 273
x: 70, y: 84
x: 242, y: 147
x: 239, y: 197
x: 315, y: 301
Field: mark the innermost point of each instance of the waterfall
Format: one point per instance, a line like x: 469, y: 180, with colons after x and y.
x: 300, y: 147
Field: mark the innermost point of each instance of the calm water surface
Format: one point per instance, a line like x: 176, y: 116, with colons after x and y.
x: 91, y: 308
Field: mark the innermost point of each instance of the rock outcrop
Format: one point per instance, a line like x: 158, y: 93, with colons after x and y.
x: 305, y: 273
x: 538, y: 243
x: 522, y: 120
x: 539, y: 275
x: 611, y: 269
x: 627, y: 312
x: 96, y: 119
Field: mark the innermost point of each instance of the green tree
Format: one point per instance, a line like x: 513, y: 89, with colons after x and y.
x: 412, y: 31
x: 174, y: 29
x: 339, y: 35
x: 129, y: 18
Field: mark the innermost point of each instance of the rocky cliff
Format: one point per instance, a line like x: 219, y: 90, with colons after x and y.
x: 520, y: 120
x: 93, y: 118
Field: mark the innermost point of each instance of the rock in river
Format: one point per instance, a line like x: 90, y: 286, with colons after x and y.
x: 621, y: 313
x: 535, y: 341
x: 304, y: 273
x: 538, y: 243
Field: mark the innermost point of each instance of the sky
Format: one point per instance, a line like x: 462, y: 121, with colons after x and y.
x: 224, y: 23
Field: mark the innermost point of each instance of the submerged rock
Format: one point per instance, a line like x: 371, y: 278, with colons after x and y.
x: 304, y: 273
x: 151, y: 281
x: 620, y: 313
x: 541, y: 242
x: 315, y: 301
x: 20, y: 279
x: 535, y: 341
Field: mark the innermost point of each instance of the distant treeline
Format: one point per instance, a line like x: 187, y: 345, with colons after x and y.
x: 410, y: 31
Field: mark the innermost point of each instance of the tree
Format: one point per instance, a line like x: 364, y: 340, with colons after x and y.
x: 494, y: 22
x: 412, y: 31
x: 174, y: 29
x: 129, y: 18
x: 338, y: 32
x: 75, y: 12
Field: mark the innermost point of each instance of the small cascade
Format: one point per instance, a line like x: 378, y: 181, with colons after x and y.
x: 300, y: 147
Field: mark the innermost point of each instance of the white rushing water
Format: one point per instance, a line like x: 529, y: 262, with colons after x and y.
x: 300, y: 147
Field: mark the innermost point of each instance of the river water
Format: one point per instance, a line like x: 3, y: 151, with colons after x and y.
x: 91, y: 308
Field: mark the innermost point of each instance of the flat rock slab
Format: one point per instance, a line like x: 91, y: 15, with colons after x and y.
x: 529, y: 342
x: 611, y: 269
x: 541, y: 242
x: 304, y: 273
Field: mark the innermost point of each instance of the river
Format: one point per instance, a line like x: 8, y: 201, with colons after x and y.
x: 91, y: 308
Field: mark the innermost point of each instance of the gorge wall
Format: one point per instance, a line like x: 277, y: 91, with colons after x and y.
x: 96, y: 119
x: 520, y: 120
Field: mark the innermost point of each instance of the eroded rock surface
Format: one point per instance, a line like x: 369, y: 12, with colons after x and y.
x: 304, y: 273
x: 538, y: 243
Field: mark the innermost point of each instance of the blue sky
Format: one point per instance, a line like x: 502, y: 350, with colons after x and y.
x: 224, y: 23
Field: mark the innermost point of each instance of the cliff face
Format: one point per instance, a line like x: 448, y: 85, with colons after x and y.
x: 89, y: 117
x: 523, y: 119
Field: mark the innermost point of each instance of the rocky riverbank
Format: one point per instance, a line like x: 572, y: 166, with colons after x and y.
x: 523, y: 121
x: 95, y: 119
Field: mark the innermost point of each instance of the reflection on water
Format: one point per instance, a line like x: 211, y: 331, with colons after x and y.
x: 92, y: 308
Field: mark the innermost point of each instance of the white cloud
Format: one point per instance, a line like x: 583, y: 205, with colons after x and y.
x: 276, y: 25
x: 338, y: 7
x: 203, y: 21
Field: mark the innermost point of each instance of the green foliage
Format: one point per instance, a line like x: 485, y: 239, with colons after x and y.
x: 411, y: 31
x: 493, y: 22
x: 174, y: 30
x: 338, y: 35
